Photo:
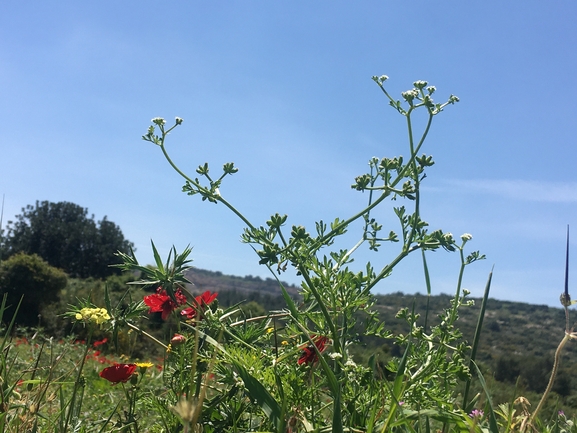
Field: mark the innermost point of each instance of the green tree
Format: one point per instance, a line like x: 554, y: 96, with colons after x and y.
x: 63, y: 235
x: 31, y: 279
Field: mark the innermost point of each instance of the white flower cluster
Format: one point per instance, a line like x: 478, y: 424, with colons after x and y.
x: 158, y: 121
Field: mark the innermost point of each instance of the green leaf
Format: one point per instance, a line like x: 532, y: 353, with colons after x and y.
x: 157, y: 258
x: 398, y: 388
x: 263, y: 398
x: 477, y: 338
x: 494, y: 428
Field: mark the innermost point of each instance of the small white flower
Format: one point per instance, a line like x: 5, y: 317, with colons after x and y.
x: 466, y: 237
x: 420, y: 84
x: 350, y: 363
x: 158, y: 121
x: 335, y: 355
x: 409, y: 95
x: 179, y: 120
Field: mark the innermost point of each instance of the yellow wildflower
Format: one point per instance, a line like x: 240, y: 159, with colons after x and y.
x: 96, y: 315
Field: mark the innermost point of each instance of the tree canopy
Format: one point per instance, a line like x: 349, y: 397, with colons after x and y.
x: 63, y: 235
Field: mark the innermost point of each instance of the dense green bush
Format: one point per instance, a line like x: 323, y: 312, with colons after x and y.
x: 30, y: 278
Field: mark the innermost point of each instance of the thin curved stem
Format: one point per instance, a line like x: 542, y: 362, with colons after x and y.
x: 459, y: 280
x: 388, y: 268
x: 566, y: 338
x: 217, y: 197
x: 146, y: 334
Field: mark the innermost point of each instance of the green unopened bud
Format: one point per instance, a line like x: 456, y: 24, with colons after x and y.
x: 428, y: 101
x: 158, y: 121
x: 453, y: 99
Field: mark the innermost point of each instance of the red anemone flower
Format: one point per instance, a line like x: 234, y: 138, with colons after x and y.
x: 309, y: 355
x: 200, y: 304
x: 118, y: 373
x: 160, y: 302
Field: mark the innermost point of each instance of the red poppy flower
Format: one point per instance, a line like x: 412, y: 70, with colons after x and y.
x: 309, y: 355
x: 160, y: 302
x: 200, y: 304
x: 118, y: 373
x: 100, y: 342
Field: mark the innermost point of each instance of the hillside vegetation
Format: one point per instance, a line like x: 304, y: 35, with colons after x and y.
x: 517, y: 345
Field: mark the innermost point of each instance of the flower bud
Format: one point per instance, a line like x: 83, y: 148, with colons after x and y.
x: 420, y: 84
x: 177, y: 339
x: 409, y: 95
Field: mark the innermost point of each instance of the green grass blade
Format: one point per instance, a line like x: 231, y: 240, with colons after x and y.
x: 493, y: 427
x: 8, y: 330
x: 398, y: 389
x: 476, y: 340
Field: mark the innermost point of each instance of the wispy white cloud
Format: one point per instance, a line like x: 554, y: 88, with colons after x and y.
x: 516, y: 189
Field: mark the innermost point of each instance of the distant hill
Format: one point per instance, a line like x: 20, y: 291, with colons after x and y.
x: 218, y: 282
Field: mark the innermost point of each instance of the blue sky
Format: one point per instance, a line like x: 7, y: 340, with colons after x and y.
x: 284, y: 90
